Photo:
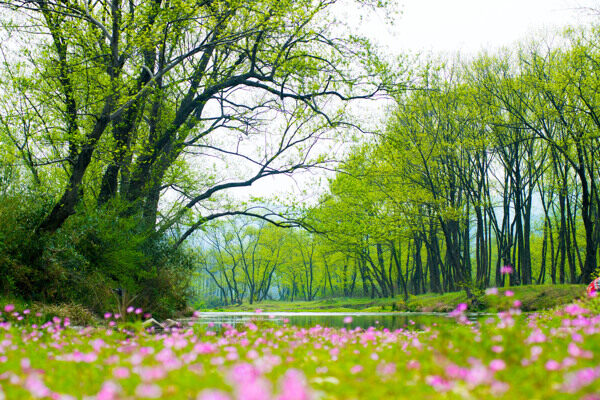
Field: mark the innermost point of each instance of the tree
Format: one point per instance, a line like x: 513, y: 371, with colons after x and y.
x: 130, y: 95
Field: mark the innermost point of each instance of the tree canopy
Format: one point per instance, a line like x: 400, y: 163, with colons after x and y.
x: 157, y: 108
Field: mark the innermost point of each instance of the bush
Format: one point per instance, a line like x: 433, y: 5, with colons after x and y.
x: 76, y: 313
x: 19, y: 218
x: 95, y: 253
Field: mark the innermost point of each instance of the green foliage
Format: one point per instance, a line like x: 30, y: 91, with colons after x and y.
x: 19, y: 216
x: 96, y: 252
x: 99, y: 248
x: 77, y: 314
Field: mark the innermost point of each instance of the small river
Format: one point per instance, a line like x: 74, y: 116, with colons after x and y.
x: 390, y: 320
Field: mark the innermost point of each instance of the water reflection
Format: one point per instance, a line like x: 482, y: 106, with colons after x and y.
x: 390, y: 321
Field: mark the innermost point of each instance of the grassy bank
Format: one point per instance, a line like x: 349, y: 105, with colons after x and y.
x: 76, y: 313
x: 532, y: 298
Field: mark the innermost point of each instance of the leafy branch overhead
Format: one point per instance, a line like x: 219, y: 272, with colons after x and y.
x: 122, y: 93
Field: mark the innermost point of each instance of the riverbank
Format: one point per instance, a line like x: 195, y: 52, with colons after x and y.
x: 532, y: 298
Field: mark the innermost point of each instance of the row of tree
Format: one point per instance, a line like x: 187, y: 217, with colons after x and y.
x: 490, y: 166
x: 487, y: 154
x: 242, y: 260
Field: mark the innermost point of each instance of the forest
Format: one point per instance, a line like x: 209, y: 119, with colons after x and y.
x: 259, y: 200
x: 126, y: 130
x: 485, y: 176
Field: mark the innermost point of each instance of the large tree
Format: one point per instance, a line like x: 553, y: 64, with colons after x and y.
x: 148, y: 100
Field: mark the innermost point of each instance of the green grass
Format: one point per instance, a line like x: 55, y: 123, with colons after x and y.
x: 549, y: 355
x: 532, y: 297
x: 329, y: 305
x: 77, y: 314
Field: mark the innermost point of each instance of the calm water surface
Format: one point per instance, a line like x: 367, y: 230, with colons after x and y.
x: 390, y: 320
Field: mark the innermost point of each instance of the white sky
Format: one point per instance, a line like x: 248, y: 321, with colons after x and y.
x: 451, y: 26
x: 446, y: 27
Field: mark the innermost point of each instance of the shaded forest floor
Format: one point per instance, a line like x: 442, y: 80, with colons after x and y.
x: 532, y: 298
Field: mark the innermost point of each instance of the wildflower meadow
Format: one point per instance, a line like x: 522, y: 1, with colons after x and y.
x: 511, y: 355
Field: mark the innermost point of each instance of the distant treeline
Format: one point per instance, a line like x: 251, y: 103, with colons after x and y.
x: 488, y: 166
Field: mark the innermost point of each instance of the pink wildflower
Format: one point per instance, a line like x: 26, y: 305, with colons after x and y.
x: 148, y: 391
x: 294, y: 386
x: 517, y: 303
x: 348, y: 320
x: 258, y: 389
x: 384, y: 368
x: 509, y: 293
x: 497, y: 349
x: 497, y: 365
x: 149, y: 374
x: 36, y: 387
x: 491, y: 291
x: 568, y: 362
x: 577, y: 380
x: 25, y: 364
x: 575, y: 309
x: 109, y: 391
x: 507, y: 269
x: 9, y: 308
x: 121, y: 373
x: 459, y: 313
x: 536, y: 336
x: 243, y: 373
x: 456, y: 372
x: 535, y: 352
x: 478, y: 375
x: 211, y: 394
x: 552, y: 365
x: 498, y: 388
x: 252, y: 326
x: 438, y: 383
x: 356, y: 369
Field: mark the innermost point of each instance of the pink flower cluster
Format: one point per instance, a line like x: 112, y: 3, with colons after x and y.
x: 507, y: 269
x: 245, y: 362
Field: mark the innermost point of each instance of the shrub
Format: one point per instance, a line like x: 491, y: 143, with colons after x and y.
x: 19, y: 216
x: 76, y: 313
x: 94, y: 253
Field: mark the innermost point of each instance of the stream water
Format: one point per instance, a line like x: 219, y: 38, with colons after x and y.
x: 391, y: 320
